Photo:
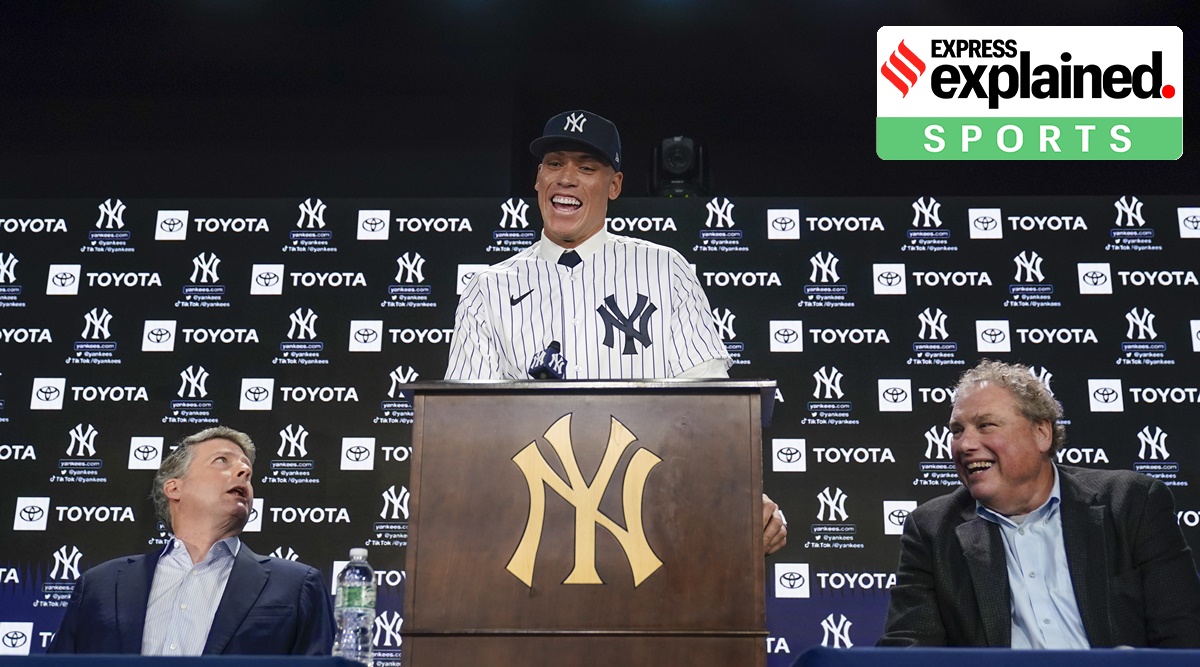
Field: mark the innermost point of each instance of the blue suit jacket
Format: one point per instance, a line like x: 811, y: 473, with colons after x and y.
x: 270, y: 606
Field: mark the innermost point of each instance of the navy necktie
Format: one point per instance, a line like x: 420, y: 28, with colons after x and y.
x: 569, y: 259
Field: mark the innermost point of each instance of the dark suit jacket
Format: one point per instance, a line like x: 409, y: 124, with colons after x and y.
x: 270, y: 606
x: 1131, y: 570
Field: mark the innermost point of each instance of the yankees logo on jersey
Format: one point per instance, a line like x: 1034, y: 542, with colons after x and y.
x: 632, y: 309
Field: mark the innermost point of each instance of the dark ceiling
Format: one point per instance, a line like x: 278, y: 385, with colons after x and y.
x: 437, y: 98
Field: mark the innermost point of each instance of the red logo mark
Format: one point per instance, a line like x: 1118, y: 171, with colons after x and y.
x: 903, y: 68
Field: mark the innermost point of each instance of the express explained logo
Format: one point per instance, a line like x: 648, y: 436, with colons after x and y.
x: 903, y: 68
x: 1029, y: 92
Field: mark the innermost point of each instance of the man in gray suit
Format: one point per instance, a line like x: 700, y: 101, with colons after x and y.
x: 1030, y: 554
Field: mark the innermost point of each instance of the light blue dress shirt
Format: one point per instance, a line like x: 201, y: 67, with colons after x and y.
x: 1045, y: 613
x: 184, y: 598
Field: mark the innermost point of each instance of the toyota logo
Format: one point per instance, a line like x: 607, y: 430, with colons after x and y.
x: 894, y: 395
x: 267, y: 279
x: 791, y: 580
x: 1105, y: 394
x: 47, y: 393
x: 783, y: 224
x: 357, y: 453
x: 145, y: 452
x: 158, y: 335
x: 63, y: 279
x: 1095, y: 278
x: 889, y: 279
x: 985, y: 223
x: 1192, y: 222
x: 257, y: 394
x: 31, y: 513
x: 897, y: 517
x: 171, y: 225
x: 788, y: 454
x: 366, y: 335
x: 786, y: 335
x: 253, y: 515
x: 467, y: 277
x: 14, y: 639
x: 992, y: 335
x: 373, y: 224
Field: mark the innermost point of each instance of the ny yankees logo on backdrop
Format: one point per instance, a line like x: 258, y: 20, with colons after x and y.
x: 613, y: 318
x: 83, y: 441
x: 113, y: 215
x: 1155, y: 441
x: 95, y: 326
x: 410, y: 268
x: 926, y: 213
x: 68, y: 561
x: 1129, y: 212
x: 387, y: 629
x: 935, y: 323
x: 836, y: 630
x: 7, y: 265
x: 292, y: 439
x: 937, y: 443
x: 395, y: 503
x: 514, y: 211
x: 311, y: 215
x: 719, y: 215
x: 204, y: 268
x: 586, y: 499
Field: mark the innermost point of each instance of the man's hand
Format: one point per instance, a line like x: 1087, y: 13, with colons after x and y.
x: 774, y: 527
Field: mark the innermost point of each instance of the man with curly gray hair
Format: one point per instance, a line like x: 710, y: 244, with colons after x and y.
x: 1031, y: 554
x: 205, y: 592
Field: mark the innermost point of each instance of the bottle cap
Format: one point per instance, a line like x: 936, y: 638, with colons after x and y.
x: 358, y: 552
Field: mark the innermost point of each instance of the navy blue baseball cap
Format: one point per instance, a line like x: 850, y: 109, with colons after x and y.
x: 581, y: 128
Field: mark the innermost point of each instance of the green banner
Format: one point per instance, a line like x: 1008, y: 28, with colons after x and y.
x: 1029, y: 138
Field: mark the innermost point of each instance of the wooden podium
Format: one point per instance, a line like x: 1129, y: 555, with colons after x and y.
x: 586, y: 523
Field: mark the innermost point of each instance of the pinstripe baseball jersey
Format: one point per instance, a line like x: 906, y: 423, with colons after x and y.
x: 631, y: 310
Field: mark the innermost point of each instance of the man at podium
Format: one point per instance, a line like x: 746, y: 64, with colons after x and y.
x: 582, y: 303
x: 206, y: 592
x: 1030, y: 554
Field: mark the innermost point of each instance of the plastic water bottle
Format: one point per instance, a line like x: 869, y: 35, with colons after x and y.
x: 354, y: 609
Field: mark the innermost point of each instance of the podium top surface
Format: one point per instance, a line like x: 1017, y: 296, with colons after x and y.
x: 683, y: 385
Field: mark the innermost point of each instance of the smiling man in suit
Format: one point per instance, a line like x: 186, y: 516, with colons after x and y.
x: 205, y: 592
x: 1030, y: 554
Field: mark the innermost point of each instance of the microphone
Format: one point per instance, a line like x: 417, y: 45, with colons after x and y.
x: 549, y: 364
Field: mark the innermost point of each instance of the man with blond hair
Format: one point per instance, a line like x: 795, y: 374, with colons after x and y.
x: 205, y: 592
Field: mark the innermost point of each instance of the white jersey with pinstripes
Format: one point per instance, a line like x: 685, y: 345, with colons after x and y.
x: 631, y: 310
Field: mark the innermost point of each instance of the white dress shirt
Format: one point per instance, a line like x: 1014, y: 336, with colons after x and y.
x: 184, y: 598
x: 1045, y: 613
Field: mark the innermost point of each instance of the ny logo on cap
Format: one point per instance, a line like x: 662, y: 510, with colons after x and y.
x: 575, y: 122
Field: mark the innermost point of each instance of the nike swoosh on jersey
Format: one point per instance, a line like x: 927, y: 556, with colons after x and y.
x: 514, y: 300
